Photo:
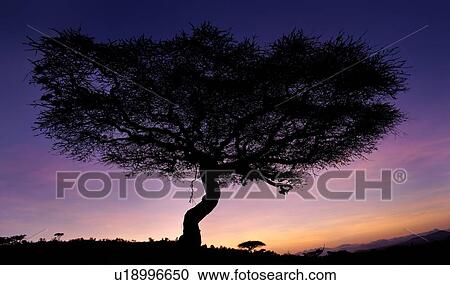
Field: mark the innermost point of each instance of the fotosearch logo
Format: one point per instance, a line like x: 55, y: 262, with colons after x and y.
x: 157, y: 186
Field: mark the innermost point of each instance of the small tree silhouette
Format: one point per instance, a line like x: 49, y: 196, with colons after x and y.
x: 58, y: 236
x: 251, y: 244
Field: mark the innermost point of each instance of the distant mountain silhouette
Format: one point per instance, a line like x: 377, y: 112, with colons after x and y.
x: 435, y: 235
x: 420, y: 238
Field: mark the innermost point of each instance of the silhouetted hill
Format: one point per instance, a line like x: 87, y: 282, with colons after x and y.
x: 81, y: 251
x: 433, y: 235
x: 436, y: 235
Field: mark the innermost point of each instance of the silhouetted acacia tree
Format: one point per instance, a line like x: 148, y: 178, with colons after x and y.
x: 204, y: 100
x: 251, y: 244
x: 58, y: 236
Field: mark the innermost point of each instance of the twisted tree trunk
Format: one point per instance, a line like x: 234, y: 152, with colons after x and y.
x: 191, y: 237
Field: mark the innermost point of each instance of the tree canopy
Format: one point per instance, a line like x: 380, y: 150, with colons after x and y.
x: 251, y: 244
x: 206, y: 98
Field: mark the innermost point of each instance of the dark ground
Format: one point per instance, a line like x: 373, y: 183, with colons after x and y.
x: 167, y: 252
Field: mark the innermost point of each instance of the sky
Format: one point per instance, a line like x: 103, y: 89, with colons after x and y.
x: 27, y: 166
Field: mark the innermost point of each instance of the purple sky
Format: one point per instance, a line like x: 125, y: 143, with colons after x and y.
x: 27, y: 191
